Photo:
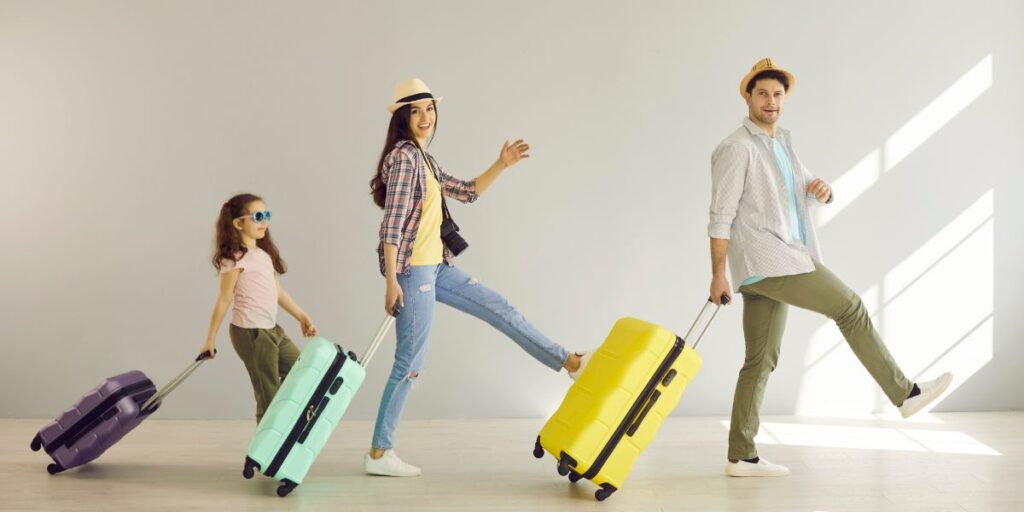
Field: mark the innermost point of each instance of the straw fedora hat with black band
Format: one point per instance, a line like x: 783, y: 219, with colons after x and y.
x: 765, y: 64
x: 411, y: 91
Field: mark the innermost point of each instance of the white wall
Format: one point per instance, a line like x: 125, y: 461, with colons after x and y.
x: 124, y: 125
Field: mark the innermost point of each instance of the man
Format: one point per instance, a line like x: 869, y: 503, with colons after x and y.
x: 759, y: 218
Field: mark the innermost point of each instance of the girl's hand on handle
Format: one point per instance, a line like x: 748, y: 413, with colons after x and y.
x: 208, y: 348
x: 308, y: 329
x: 512, y: 154
x: 392, y: 296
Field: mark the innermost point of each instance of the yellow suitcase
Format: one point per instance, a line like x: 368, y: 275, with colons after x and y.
x: 610, y: 415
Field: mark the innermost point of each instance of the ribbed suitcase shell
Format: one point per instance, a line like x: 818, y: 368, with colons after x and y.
x: 96, y: 421
x: 610, y: 415
x: 308, y: 406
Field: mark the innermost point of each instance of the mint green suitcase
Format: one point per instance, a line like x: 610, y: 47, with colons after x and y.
x: 310, y: 403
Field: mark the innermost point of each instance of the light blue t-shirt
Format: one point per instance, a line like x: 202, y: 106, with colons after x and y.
x: 796, y: 221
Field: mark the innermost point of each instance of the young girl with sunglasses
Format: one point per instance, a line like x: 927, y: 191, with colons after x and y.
x: 249, y: 262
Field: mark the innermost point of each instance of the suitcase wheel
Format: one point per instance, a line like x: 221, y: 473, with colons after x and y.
x: 564, y: 464
x: 250, y: 464
x: 286, y: 487
x: 605, y: 491
x: 36, y: 443
x: 574, y: 476
x: 538, y: 450
x: 53, y: 469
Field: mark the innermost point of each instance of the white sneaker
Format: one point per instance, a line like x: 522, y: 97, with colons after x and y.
x: 584, y: 359
x: 929, y: 392
x: 762, y: 468
x: 389, y: 465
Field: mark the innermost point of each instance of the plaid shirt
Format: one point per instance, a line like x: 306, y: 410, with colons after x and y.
x: 404, y: 175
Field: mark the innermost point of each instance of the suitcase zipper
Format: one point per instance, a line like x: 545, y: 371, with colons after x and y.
x: 312, y: 415
x: 309, y: 415
x: 638, y: 411
x: 86, y: 423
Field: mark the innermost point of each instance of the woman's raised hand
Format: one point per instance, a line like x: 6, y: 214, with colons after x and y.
x: 511, y: 154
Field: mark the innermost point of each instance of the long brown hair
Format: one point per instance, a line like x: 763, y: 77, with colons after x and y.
x: 398, y: 131
x: 228, y: 242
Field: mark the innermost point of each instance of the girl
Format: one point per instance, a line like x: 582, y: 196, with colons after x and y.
x: 410, y: 187
x: 248, y: 262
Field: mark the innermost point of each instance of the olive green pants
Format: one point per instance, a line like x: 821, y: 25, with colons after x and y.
x: 268, y: 355
x: 765, y: 304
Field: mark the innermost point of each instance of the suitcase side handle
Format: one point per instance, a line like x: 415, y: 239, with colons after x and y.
x: 643, y: 414
x: 696, y: 321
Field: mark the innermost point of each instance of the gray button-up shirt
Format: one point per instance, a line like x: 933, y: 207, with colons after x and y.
x: 750, y: 206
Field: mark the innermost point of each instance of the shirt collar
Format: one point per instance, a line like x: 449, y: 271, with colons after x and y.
x: 754, y: 129
x: 415, y: 147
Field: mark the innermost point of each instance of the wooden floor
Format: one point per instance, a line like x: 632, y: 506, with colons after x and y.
x: 956, y: 462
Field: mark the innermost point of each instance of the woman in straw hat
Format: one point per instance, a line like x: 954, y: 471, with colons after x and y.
x: 416, y: 250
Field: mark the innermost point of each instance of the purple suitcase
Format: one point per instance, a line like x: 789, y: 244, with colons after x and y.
x: 102, y: 417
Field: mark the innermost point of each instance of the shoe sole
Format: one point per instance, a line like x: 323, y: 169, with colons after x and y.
x: 390, y: 475
x: 368, y: 472
x: 924, y: 403
x: 745, y: 474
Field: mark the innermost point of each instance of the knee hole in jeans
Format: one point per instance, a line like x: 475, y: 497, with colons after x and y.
x: 411, y: 377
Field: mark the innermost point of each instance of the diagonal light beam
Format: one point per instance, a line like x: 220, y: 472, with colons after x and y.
x: 904, y: 141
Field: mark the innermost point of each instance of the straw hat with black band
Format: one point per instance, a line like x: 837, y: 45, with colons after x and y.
x: 411, y: 91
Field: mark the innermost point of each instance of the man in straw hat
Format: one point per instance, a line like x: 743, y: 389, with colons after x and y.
x: 759, y: 218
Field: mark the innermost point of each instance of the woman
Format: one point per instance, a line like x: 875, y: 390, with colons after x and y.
x: 410, y: 186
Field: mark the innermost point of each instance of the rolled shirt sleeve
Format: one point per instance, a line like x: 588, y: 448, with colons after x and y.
x: 729, y: 164
x: 456, y: 188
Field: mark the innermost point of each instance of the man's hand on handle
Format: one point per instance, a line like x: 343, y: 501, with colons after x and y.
x: 720, y: 288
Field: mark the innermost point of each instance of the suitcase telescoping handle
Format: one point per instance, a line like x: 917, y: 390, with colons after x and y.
x: 175, y: 382
x: 725, y: 300
x: 382, y: 331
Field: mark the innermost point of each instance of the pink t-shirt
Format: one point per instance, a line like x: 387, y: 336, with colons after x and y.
x: 255, y: 300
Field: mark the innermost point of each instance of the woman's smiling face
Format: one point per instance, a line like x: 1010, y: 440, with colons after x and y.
x: 422, y: 116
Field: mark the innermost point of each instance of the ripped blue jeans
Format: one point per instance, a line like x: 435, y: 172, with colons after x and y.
x: 422, y: 286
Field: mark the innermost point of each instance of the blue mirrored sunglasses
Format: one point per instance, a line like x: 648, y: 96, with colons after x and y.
x: 260, y: 217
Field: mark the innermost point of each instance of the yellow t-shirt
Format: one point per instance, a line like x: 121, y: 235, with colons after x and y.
x: 427, y: 249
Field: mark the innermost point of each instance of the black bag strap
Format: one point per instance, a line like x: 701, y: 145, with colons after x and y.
x: 445, y: 214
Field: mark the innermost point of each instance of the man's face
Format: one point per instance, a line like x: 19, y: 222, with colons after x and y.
x: 765, y: 101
